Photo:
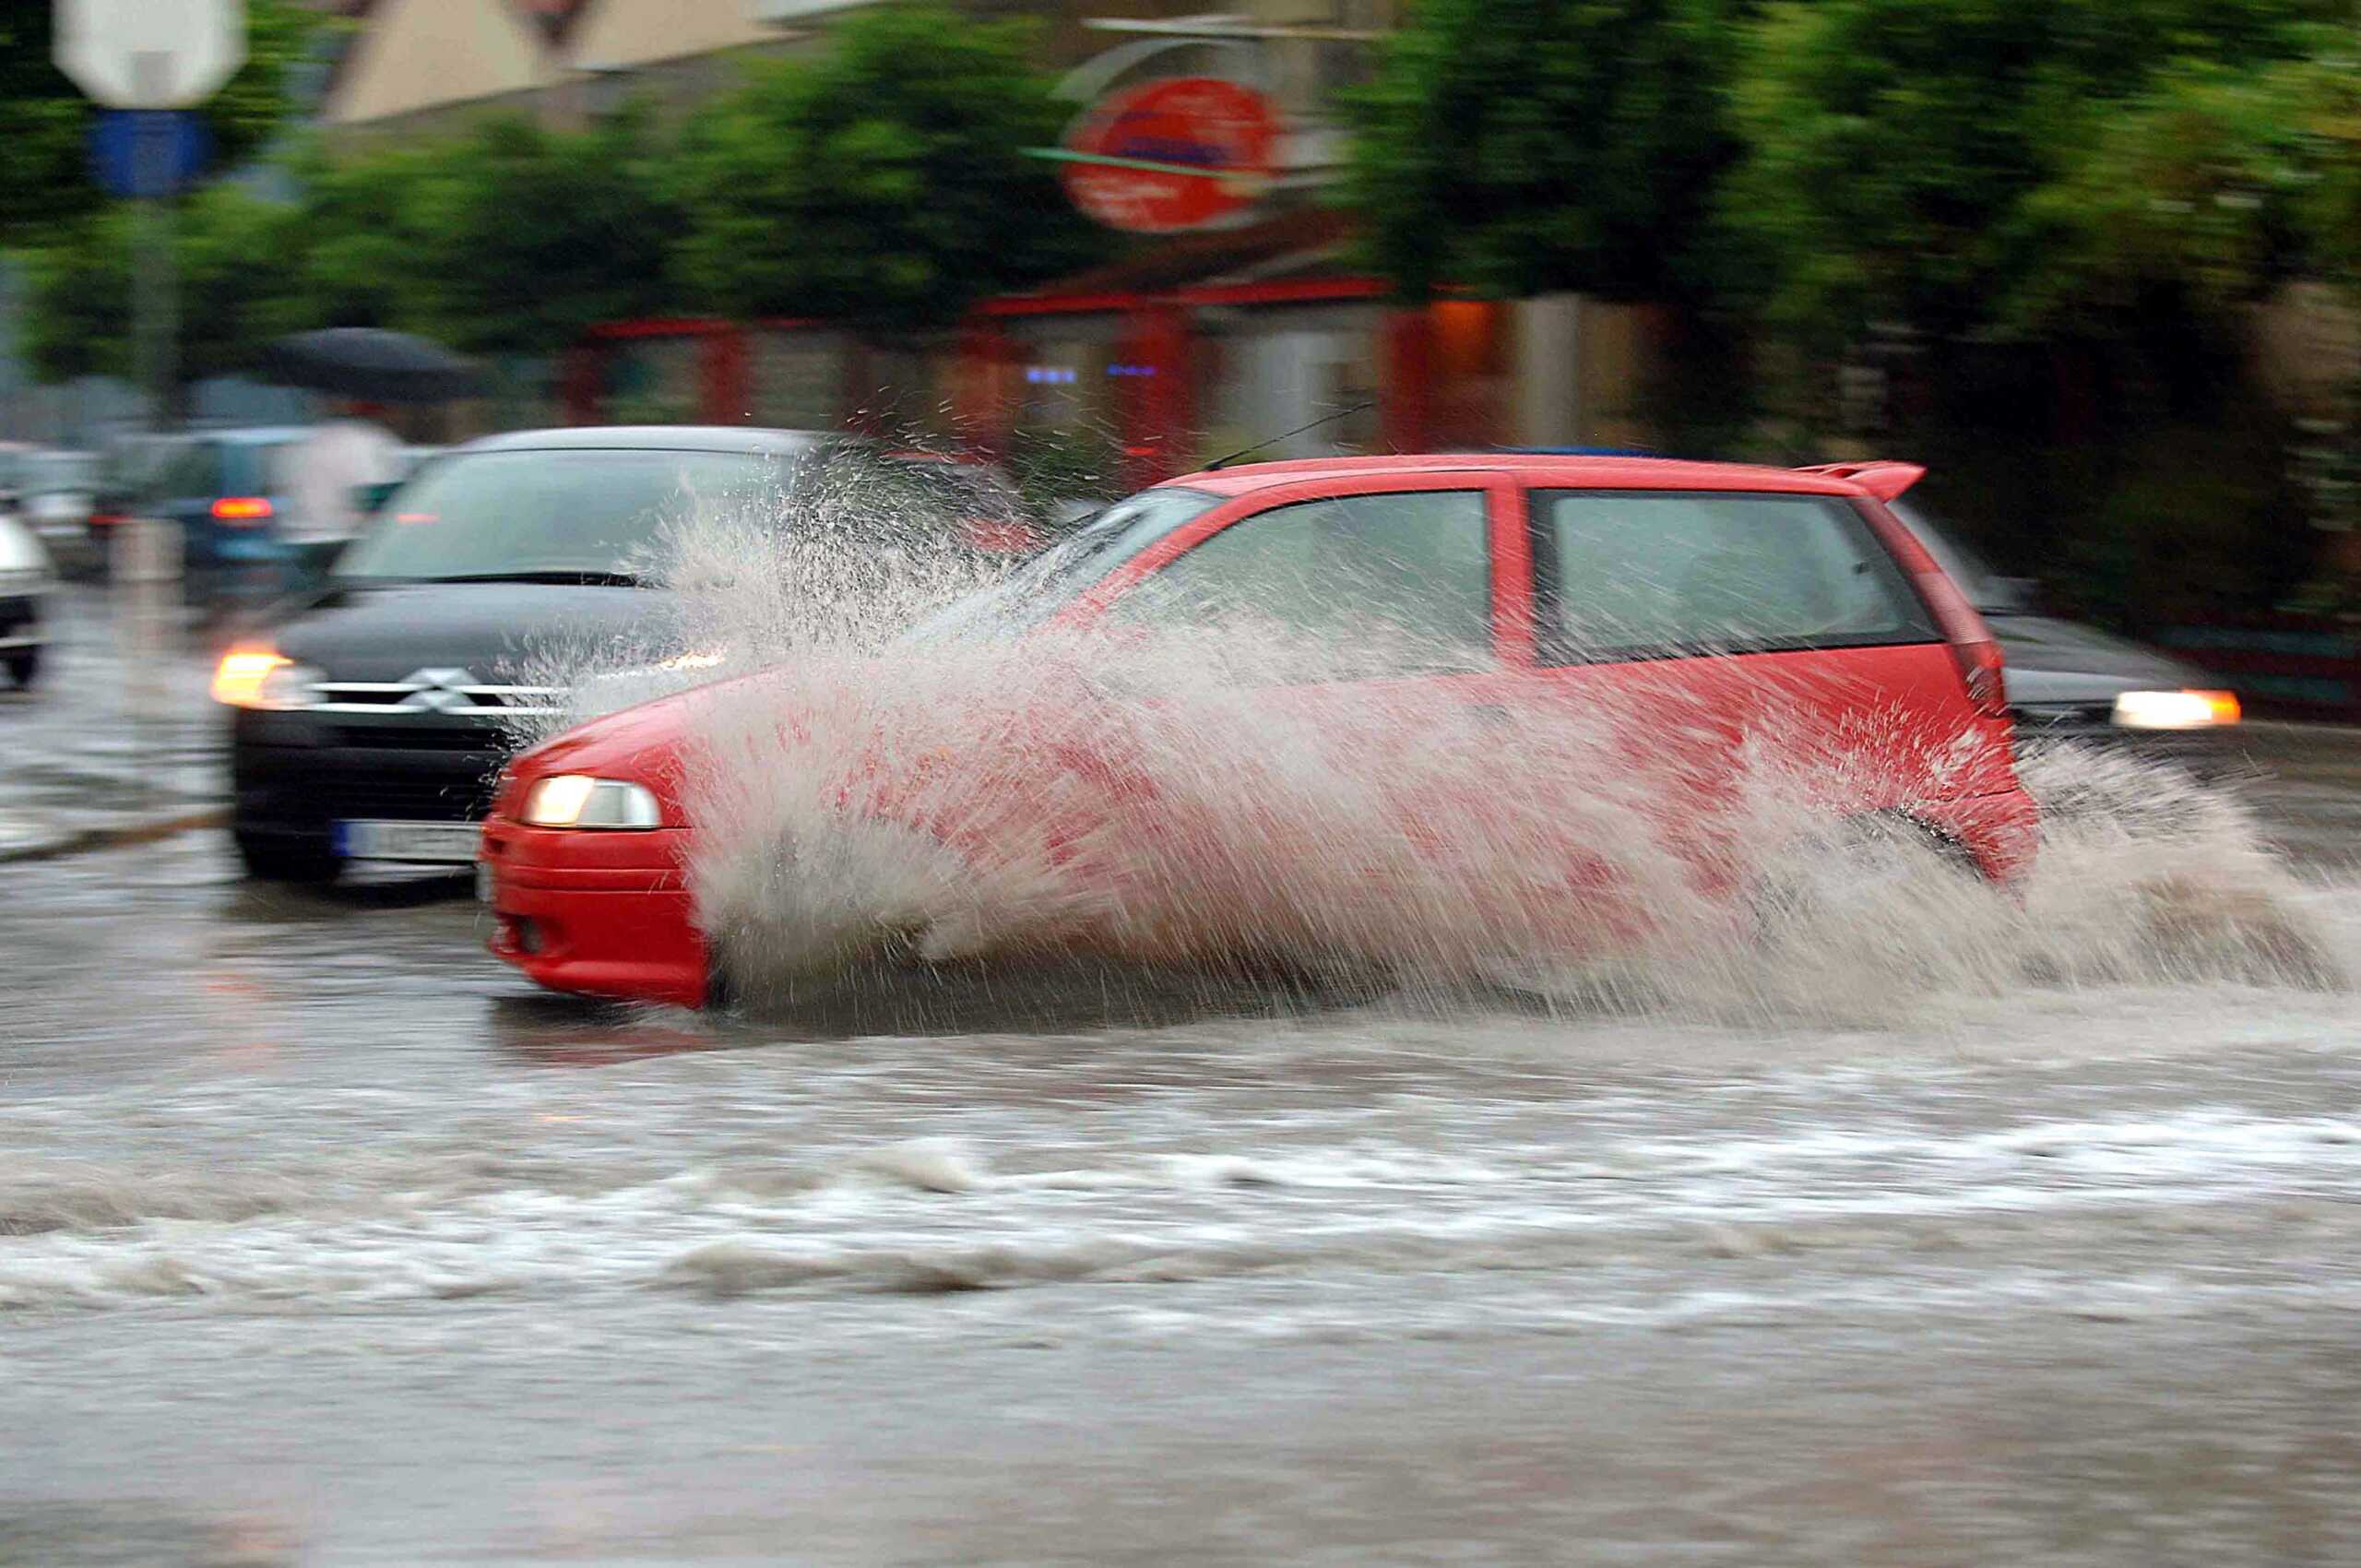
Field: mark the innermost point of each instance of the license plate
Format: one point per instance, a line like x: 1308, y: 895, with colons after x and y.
x: 419, y: 843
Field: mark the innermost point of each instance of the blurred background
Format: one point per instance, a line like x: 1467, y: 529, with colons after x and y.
x: 2094, y: 263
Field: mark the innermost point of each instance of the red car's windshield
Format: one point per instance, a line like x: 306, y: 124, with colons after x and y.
x: 1060, y: 574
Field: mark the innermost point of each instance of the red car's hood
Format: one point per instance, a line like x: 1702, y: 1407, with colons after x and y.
x: 642, y: 743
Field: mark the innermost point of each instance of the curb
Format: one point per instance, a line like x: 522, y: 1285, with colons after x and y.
x: 117, y: 837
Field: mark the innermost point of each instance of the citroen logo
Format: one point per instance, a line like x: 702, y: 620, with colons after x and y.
x: 440, y: 691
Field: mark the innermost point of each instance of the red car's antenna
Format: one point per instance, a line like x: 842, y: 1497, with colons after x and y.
x: 1272, y: 440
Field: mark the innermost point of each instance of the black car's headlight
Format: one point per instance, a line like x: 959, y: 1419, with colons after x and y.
x: 261, y: 677
x: 2176, y: 710
x: 576, y: 800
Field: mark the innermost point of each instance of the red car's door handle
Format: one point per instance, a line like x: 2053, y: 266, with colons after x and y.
x: 1488, y: 713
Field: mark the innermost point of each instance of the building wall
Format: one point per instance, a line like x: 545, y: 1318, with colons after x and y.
x: 421, y: 67
x: 414, y: 58
x: 626, y: 34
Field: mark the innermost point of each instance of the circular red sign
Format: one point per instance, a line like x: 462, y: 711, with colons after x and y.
x: 1181, y: 154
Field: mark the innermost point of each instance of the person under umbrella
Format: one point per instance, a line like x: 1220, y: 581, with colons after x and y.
x: 363, y: 368
x: 345, y: 453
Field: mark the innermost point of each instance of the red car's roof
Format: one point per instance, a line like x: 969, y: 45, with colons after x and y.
x: 1591, y: 473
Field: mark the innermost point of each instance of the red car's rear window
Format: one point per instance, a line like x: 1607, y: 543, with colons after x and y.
x: 1641, y: 574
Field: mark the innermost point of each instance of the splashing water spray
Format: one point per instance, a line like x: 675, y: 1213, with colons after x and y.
x: 878, y: 800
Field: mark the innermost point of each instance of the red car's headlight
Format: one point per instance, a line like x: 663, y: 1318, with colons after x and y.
x: 576, y: 800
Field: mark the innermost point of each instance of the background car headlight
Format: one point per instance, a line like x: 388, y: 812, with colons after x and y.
x: 250, y: 677
x: 575, y: 800
x: 2176, y: 710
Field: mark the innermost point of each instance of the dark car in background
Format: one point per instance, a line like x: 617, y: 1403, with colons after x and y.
x: 118, y: 490
x: 223, y: 491
x: 369, y: 723
x: 2066, y: 679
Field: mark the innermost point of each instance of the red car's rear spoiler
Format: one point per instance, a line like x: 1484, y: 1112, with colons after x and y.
x: 1885, y: 480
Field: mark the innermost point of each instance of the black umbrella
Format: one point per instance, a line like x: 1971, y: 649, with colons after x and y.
x: 366, y: 362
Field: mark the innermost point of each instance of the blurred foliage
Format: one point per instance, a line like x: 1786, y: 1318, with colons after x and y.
x: 2022, y: 239
x: 882, y: 184
x: 2188, y: 511
x: 1551, y: 145
x: 507, y: 239
x: 369, y: 226
x: 2202, y: 188
x: 885, y: 185
x: 533, y: 236
x: 228, y: 304
x: 1981, y: 167
x: 45, y: 121
x: 2199, y: 521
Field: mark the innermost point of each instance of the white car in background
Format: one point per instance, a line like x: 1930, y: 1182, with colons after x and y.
x: 25, y: 580
x: 56, y: 490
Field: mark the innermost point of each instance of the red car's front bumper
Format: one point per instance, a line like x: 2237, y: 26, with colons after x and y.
x: 603, y: 914
x: 610, y: 913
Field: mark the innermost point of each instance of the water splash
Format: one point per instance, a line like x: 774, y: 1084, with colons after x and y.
x: 873, y: 807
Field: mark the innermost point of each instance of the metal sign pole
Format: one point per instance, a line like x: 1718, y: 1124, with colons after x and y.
x: 152, y: 593
x: 155, y: 302
x: 152, y: 58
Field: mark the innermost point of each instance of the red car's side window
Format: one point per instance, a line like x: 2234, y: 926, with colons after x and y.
x: 1396, y: 582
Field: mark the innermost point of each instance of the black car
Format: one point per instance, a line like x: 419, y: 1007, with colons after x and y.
x: 2067, y: 681
x: 370, y: 723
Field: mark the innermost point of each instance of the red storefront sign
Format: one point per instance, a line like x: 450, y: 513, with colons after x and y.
x: 1172, y: 155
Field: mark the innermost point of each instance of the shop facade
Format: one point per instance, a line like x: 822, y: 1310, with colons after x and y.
x: 1167, y: 377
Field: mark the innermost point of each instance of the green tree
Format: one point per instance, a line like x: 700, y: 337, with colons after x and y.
x: 2044, y: 218
x: 1555, y: 144
x: 234, y: 253
x: 371, y: 228
x: 2198, y: 190
x: 507, y: 240
x: 532, y: 236
x: 1953, y: 168
x: 883, y: 185
x: 45, y: 121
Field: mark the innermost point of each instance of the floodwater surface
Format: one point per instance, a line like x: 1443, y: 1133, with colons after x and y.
x: 1925, y: 1225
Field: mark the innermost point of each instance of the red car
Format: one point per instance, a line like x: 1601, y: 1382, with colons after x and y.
x: 1715, y: 624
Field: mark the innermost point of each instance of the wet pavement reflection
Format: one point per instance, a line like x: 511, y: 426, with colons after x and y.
x: 325, y: 1239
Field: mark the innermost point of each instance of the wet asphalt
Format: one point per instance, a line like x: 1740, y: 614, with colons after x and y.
x: 325, y: 1239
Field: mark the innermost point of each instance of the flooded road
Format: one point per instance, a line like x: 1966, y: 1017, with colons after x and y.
x: 323, y: 1240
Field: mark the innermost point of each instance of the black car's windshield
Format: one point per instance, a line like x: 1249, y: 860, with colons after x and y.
x: 558, y: 515
x: 1059, y: 575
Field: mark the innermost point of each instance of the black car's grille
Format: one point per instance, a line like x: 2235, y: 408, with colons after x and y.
x: 449, y: 691
x: 422, y: 738
x: 407, y: 799
x: 309, y: 786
